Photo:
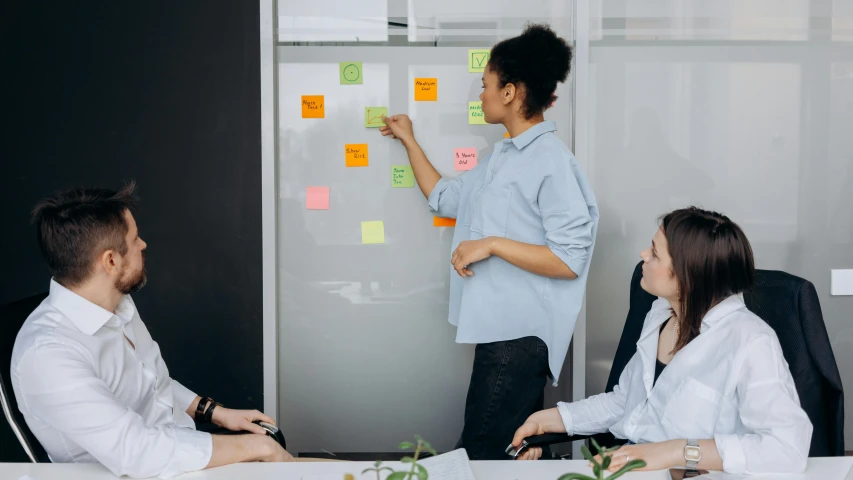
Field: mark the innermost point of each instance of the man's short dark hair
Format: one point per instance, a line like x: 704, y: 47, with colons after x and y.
x: 77, y: 225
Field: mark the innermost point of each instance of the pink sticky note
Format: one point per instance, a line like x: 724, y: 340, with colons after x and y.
x: 317, y: 198
x: 465, y: 158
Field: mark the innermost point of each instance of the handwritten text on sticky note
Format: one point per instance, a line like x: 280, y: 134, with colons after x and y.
x: 373, y: 116
x: 475, y: 113
x: 477, y: 60
x: 313, y: 106
x: 372, y: 232
x: 426, y: 89
x: 356, y: 154
x: 402, y: 176
x: 465, y: 158
x: 317, y: 198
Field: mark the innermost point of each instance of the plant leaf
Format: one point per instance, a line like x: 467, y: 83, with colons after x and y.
x: 596, y: 470
x: 422, y: 472
x: 377, y: 463
x: 407, y: 460
x: 407, y: 446
x: 606, y: 462
x: 586, y: 454
x: 368, y: 470
x: 428, y: 448
x: 595, y: 444
x: 627, y: 468
x: 398, y: 476
x: 418, y: 438
x: 575, y: 476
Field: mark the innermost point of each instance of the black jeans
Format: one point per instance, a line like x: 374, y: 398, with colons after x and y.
x: 507, y: 386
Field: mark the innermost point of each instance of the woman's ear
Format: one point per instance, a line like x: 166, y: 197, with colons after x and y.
x: 509, y: 93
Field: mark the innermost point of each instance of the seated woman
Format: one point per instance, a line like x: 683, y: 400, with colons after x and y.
x: 708, y: 387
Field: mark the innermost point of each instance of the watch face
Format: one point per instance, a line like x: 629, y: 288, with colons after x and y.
x: 692, y: 453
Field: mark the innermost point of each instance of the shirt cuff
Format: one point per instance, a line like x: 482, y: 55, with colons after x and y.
x: 563, y: 408
x: 193, y: 452
x: 731, y: 452
x: 435, y: 194
x: 182, y: 396
x: 575, y: 264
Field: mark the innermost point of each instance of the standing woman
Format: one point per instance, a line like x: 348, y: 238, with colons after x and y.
x: 526, y: 224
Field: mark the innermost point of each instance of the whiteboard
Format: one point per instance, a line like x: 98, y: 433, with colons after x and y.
x: 367, y: 358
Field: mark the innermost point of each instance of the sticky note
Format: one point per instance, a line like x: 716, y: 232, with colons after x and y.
x: 475, y: 113
x: 373, y: 116
x: 477, y: 60
x: 426, y: 89
x: 506, y: 134
x: 313, y: 106
x: 465, y: 158
x: 356, y: 154
x: 351, y: 73
x: 317, y: 198
x: 443, y: 222
x: 402, y: 176
x: 372, y: 232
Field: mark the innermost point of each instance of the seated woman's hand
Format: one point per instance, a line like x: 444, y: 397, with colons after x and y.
x: 658, y: 456
x: 544, y: 421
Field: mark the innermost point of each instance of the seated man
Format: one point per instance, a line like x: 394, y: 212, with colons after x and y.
x: 89, y: 379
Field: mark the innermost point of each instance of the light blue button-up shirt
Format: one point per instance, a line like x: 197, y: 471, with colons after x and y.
x: 529, y: 190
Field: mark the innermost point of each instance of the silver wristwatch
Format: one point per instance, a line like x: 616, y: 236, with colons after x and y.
x: 692, y: 454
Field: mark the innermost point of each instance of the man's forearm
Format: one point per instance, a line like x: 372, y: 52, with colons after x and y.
x: 228, y: 449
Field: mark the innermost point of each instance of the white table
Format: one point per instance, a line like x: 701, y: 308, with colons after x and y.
x: 818, y: 468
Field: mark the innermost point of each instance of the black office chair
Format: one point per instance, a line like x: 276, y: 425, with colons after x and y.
x: 790, y: 306
x: 12, y: 317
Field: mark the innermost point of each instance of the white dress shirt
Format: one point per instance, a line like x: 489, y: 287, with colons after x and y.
x: 730, y: 384
x: 88, y: 396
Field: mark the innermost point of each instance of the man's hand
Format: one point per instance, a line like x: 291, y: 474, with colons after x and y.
x: 240, y: 420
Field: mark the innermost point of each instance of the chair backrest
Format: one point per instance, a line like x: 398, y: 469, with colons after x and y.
x: 791, y: 307
x: 12, y: 316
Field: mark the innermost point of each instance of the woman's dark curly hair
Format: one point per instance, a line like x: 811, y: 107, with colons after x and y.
x: 537, y: 58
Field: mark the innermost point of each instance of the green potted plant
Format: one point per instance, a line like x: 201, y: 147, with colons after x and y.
x: 598, y: 468
x: 415, y: 471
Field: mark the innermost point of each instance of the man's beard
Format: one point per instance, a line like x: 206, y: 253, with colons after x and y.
x: 133, y: 284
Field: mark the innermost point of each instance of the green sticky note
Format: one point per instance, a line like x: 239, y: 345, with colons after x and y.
x: 373, y: 116
x: 372, y: 232
x: 402, y: 176
x: 475, y: 113
x: 351, y: 73
x: 477, y: 60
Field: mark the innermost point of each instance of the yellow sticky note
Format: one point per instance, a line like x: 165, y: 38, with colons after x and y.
x: 426, y: 89
x: 313, y: 106
x: 356, y: 154
x: 477, y: 60
x: 475, y: 113
x: 372, y: 232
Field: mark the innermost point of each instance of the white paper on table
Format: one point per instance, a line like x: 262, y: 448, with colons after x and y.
x: 449, y: 466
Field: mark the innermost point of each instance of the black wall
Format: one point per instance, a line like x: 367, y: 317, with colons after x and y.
x: 166, y: 93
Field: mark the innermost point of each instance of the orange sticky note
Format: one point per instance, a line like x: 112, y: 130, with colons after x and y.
x: 317, y: 198
x: 506, y: 134
x: 426, y: 89
x: 356, y: 154
x: 313, y: 106
x: 443, y: 222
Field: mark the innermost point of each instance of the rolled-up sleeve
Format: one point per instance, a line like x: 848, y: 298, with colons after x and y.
x: 598, y: 413
x: 566, y: 215
x: 444, y: 198
x: 779, y: 430
x: 59, y: 386
x: 182, y: 396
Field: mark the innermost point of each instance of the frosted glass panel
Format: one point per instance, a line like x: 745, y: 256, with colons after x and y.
x: 753, y: 120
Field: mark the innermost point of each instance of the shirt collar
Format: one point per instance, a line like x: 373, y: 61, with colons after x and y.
x: 714, y: 315
x: 533, y: 133
x: 85, y: 315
